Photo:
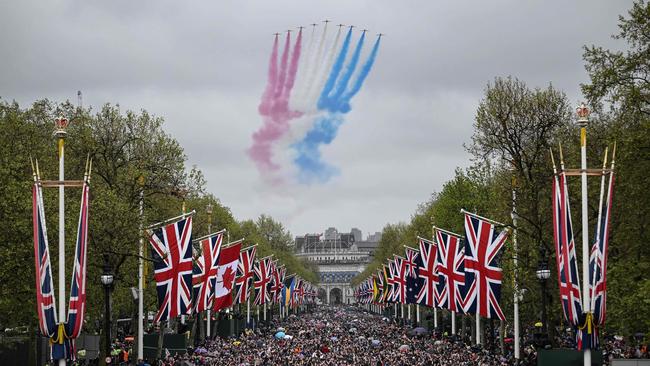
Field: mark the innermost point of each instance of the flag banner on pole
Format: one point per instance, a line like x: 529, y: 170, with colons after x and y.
x: 413, y: 263
x: 45, y: 301
x: 77, y: 302
x: 427, y: 273
x: 245, y: 274
x: 598, y: 258
x: 262, y: 280
x: 450, y: 266
x: 287, y: 293
x: 389, y: 269
x: 205, y: 271
x: 226, y: 271
x: 380, y: 286
x: 565, y: 252
x: 171, y: 250
x: 276, y: 284
x: 399, y: 280
x: 388, y: 284
x: 482, y: 290
x: 299, y: 292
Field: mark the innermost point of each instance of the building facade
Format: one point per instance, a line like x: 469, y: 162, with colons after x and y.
x: 338, y: 258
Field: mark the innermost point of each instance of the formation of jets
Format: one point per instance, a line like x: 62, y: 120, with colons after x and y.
x: 328, y: 21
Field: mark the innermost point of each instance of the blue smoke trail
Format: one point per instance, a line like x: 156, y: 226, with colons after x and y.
x: 312, y: 167
x: 344, y: 105
x: 342, y: 84
x: 336, y: 70
x: 325, y: 129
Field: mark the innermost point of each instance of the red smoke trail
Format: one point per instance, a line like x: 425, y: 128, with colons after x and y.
x: 276, y: 105
x: 283, y: 68
x: 267, y: 98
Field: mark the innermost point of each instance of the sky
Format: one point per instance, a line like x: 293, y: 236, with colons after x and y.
x: 202, y: 66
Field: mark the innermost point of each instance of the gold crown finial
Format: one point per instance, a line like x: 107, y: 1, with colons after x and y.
x: 61, y: 125
x: 583, y: 115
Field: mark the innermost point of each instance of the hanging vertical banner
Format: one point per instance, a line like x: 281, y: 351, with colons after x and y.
x: 226, y: 271
x: 451, y: 271
x: 427, y: 273
x: 413, y: 263
x: 262, y: 280
x: 483, y: 267
x: 45, y: 301
x: 171, y: 251
x: 77, y: 304
x: 245, y: 274
x: 205, y: 271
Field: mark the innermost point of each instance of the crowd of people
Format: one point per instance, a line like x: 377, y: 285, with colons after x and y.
x: 352, y: 336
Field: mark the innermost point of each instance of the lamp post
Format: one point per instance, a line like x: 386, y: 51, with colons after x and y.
x: 60, y: 133
x: 543, y: 274
x: 107, y: 281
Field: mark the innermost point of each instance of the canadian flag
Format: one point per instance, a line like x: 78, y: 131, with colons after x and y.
x: 226, y: 271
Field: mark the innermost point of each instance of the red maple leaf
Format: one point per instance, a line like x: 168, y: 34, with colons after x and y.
x: 228, y: 278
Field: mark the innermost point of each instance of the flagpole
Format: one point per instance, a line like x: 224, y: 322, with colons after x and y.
x: 417, y: 314
x: 478, y: 328
x: 60, y: 134
x: 208, y: 210
x: 515, y: 264
x: 583, y: 120
x: 435, y: 318
x: 141, y: 275
x: 453, y: 323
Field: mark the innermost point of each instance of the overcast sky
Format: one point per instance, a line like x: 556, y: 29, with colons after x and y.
x: 201, y: 65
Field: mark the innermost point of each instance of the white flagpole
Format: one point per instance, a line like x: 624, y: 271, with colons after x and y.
x: 453, y: 322
x: 583, y: 114
x: 248, y: 310
x: 417, y: 314
x: 478, y: 328
x: 515, y: 260
x: 141, y: 276
x: 435, y: 318
x: 60, y: 134
x: 408, y: 307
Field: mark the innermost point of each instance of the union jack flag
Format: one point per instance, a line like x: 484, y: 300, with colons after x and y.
x: 450, y: 266
x: 77, y: 304
x: 399, y: 280
x: 45, y: 301
x: 482, y: 268
x: 410, y: 261
x: 262, y: 280
x: 598, y: 258
x: 277, y: 283
x: 245, y: 273
x: 171, y: 250
x: 205, y: 272
x: 427, y: 272
x: 568, y: 276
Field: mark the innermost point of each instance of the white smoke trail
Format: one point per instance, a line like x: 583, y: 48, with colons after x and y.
x: 323, y: 74
x: 317, y: 64
x: 296, y: 100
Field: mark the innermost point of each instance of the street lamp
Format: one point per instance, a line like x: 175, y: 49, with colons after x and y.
x: 107, y: 281
x: 543, y: 274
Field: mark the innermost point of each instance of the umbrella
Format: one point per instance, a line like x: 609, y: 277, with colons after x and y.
x: 375, y: 342
x: 280, y: 329
x: 288, y: 337
x: 353, y: 330
x: 235, y: 343
x: 420, y: 331
x: 279, y: 335
x: 334, y: 339
x: 403, y: 348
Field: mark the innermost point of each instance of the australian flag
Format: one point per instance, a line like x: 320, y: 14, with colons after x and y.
x: 414, y: 282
